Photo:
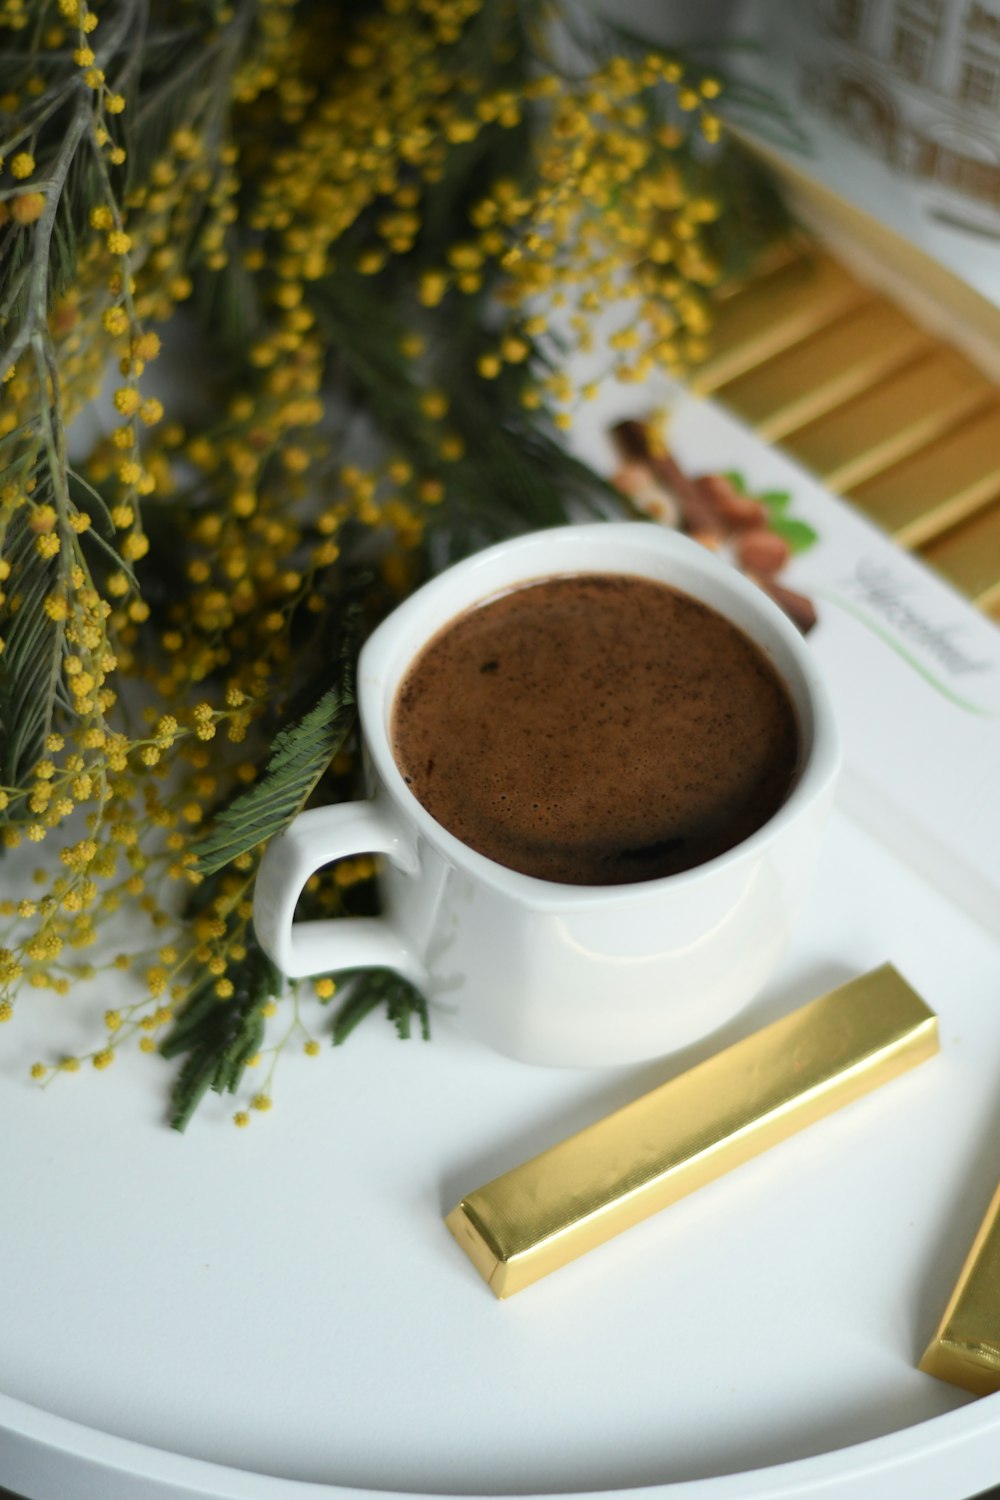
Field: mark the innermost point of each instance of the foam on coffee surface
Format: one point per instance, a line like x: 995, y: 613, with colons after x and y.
x: 595, y: 729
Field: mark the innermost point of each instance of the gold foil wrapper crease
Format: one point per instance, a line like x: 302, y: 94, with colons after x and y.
x: 965, y: 1350
x: 693, y: 1128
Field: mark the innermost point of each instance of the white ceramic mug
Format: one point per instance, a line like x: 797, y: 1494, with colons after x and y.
x: 545, y: 972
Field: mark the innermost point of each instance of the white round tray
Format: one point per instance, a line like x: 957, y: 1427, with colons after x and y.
x: 280, y: 1311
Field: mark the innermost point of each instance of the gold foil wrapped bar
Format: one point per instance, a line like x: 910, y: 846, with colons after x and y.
x: 966, y: 1347
x: 692, y: 1129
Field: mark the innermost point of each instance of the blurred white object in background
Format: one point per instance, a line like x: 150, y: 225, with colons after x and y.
x: 900, y: 100
x: 891, y: 136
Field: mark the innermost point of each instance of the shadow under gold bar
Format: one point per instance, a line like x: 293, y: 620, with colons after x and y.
x: 693, y: 1128
x: 965, y: 1350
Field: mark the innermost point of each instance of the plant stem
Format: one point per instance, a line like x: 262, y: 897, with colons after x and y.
x: 38, y: 290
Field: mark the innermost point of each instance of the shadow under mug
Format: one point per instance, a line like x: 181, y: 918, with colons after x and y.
x: 545, y: 972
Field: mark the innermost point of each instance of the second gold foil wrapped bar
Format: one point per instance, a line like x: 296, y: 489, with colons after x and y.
x: 692, y: 1129
x: 966, y: 1347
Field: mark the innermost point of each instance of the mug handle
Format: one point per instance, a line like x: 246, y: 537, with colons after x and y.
x: 312, y: 840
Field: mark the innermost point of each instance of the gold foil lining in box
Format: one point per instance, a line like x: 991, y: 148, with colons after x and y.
x: 969, y: 556
x: 692, y: 1129
x: 966, y: 1347
x: 831, y: 366
x: 812, y: 358
x: 938, y: 486
x: 774, y: 312
x: 890, y: 421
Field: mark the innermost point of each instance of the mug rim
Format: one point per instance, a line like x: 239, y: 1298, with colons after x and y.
x: 377, y: 681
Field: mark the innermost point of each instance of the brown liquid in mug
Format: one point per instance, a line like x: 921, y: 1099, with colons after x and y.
x: 596, y: 729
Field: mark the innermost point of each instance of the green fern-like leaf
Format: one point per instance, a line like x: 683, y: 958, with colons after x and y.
x: 219, y: 1036
x: 369, y: 989
x: 32, y: 655
x: 302, y: 752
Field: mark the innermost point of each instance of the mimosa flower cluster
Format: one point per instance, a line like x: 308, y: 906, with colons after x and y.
x: 287, y: 295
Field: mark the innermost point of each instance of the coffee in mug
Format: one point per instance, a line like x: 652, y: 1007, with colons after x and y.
x: 596, y: 729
